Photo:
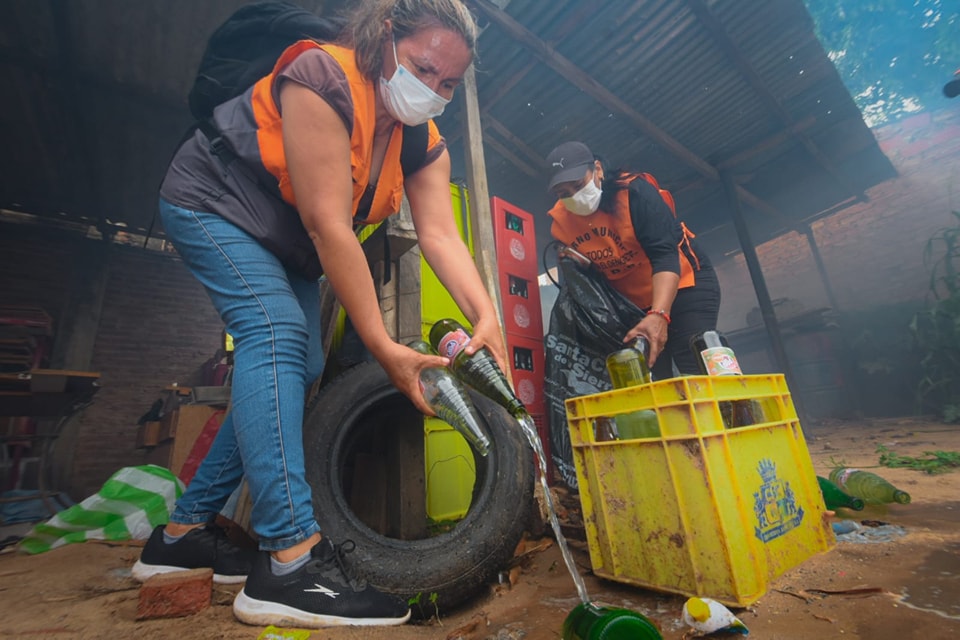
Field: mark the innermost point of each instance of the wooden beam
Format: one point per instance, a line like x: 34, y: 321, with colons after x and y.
x: 760, y: 287
x: 509, y: 155
x: 726, y: 44
x: 481, y: 216
x: 535, y: 158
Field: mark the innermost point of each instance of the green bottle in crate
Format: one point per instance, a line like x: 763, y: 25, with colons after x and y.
x: 589, y: 621
x: 628, y: 368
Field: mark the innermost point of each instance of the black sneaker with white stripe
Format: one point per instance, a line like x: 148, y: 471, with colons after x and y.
x: 322, y: 593
x: 200, y: 548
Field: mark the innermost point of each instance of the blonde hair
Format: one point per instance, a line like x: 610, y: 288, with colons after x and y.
x: 366, y: 30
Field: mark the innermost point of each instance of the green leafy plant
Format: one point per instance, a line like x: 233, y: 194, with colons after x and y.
x: 933, y: 463
x: 417, y: 601
x: 936, y: 330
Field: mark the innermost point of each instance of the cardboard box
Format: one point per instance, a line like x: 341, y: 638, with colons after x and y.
x: 148, y: 435
x: 190, y: 421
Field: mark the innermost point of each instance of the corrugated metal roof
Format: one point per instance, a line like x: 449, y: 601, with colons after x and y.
x: 98, y: 102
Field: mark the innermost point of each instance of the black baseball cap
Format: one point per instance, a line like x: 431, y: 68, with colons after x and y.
x: 569, y: 162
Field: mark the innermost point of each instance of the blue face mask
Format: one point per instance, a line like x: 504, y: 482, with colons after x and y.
x: 407, y: 99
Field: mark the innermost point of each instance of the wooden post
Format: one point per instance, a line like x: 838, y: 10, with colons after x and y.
x: 481, y: 220
x: 760, y: 287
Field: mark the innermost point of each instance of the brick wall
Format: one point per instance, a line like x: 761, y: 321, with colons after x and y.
x: 157, y: 327
x: 873, y: 251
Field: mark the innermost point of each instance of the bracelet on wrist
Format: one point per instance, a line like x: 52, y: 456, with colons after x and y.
x: 660, y: 312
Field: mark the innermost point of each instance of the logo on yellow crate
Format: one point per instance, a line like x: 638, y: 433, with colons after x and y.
x: 775, y: 504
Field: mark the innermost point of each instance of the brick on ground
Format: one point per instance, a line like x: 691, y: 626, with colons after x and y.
x: 175, y: 594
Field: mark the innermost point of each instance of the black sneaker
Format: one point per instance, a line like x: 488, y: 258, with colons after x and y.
x: 322, y: 593
x: 200, y: 548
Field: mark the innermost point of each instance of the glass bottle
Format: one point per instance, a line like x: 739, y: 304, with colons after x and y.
x: 589, y: 621
x: 479, y: 370
x: 449, y: 400
x: 716, y: 358
x: 628, y: 368
x: 835, y: 498
x: 869, y: 486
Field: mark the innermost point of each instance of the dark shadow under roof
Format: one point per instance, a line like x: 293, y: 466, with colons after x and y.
x: 685, y: 89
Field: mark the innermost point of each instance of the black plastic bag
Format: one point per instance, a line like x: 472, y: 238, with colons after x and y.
x: 587, y: 323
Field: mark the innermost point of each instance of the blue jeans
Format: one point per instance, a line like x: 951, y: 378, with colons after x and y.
x: 273, y: 315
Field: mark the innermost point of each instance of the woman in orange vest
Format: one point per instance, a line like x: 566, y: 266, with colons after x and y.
x: 312, y: 151
x: 626, y: 225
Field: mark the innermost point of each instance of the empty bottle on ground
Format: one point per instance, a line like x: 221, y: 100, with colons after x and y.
x: 835, y: 498
x: 869, y: 486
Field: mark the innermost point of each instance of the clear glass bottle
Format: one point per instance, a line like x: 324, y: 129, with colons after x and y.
x: 869, y: 486
x: 716, y: 358
x: 479, y: 370
x: 449, y: 400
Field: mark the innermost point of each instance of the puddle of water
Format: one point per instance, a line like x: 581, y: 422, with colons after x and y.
x: 935, y: 583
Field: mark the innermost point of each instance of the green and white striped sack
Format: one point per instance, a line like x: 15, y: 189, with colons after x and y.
x: 130, y: 504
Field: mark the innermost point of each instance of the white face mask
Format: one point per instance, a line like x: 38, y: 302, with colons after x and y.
x: 585, y: 201
x: 407, y: 99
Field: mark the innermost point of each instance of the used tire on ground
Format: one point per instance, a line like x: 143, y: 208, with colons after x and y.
x: 446, y: 568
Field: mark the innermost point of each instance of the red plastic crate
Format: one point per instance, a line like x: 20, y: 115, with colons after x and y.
x: 514, y: 235
x: 526, y: 360
x: 520, y: 298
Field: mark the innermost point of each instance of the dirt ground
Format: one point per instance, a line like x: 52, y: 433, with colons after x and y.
x: 909, y: 586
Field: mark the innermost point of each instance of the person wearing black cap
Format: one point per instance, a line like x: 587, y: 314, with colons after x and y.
x: 627, y: 226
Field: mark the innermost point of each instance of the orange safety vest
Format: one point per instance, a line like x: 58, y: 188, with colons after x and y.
x: 610, y: 241
x: 389, y: 189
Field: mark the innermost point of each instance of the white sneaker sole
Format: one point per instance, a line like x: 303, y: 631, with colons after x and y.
x: 263, y: 613
x: 142, y: 571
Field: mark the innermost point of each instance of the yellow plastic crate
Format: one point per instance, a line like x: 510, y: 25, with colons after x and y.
x: 701, y: 510
x: 450, y: 471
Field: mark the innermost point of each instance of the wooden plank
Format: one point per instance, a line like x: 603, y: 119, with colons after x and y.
x: 406, y: 489
x: 481, y: 216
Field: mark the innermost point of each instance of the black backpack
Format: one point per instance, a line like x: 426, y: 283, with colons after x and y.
x: 246, y: 47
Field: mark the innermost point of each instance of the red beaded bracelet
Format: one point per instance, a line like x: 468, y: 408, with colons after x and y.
x: 660, y: 312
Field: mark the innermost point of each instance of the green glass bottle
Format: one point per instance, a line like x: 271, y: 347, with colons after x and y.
x: 835, y: 498
x: 449, y: 400
x: 628, y: 367
x: 479, y: 370
x: 589, y: 621
x: 869, y: 486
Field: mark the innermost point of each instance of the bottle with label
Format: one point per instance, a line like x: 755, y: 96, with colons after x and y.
x: 869, y: 486
x: 835, y: 498
x: 449, y: 400
x: 716, y: 358
x: 628, y: 368
x: 589, y: 621
x: 479, y: 370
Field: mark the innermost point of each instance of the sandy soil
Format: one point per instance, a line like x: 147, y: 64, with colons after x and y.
x: 911, y: 583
